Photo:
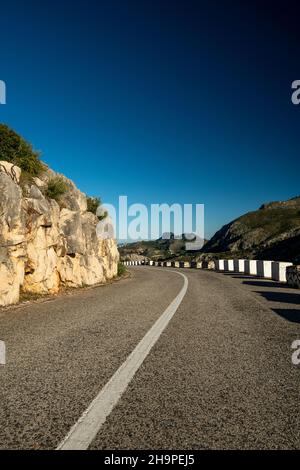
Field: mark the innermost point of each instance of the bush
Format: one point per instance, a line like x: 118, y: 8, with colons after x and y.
x: 14, y: 149
x: 56, y: 187
x: 121, y: 269
x: 92, y: 204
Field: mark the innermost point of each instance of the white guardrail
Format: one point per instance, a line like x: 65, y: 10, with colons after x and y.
x: 276, y: 270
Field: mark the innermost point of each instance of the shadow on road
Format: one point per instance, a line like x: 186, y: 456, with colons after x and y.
x: 261, y: 283
x: 290, y: 314
x: 238, y: 276
x: 285, y: 297
x: 274, y: 293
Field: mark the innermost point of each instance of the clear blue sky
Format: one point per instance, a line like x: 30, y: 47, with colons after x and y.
x: 162, y: 101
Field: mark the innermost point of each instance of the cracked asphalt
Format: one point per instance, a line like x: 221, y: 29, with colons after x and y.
x: 219, y: 377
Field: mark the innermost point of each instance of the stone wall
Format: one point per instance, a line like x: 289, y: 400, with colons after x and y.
x: 45, y: 245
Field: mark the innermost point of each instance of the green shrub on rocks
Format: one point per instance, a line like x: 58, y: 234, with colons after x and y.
x: 56, y: 187
x: 14, y: 149
x: 92, y: 204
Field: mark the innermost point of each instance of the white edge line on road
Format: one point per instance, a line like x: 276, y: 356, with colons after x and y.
x: 85, y: 430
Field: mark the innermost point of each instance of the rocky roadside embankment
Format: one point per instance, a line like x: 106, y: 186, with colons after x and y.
x: 46, y: 245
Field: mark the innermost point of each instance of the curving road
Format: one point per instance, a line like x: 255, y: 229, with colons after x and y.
x: 214, y: 373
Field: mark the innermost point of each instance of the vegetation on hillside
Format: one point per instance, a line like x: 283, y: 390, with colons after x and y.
x: 14, y: 149
x: 273, y: 221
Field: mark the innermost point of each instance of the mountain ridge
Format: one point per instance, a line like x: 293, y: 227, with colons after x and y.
x: 271, y: 232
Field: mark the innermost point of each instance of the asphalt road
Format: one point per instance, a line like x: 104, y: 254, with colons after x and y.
x: 220, y: 375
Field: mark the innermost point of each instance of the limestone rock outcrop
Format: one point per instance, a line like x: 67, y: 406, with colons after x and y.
x: 45, y: 245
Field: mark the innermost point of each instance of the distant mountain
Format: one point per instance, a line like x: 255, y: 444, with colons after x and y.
x: 272, y: 232
x: 161, y: 249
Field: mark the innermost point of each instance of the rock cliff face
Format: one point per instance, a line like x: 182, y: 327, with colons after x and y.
x: 45, y: 245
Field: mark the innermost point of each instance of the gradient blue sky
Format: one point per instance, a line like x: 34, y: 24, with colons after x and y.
x: 163, y: 101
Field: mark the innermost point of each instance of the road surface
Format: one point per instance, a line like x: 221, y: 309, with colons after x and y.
x: 218, y: 375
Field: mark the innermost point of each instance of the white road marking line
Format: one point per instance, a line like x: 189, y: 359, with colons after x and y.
x: 85, y: 430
